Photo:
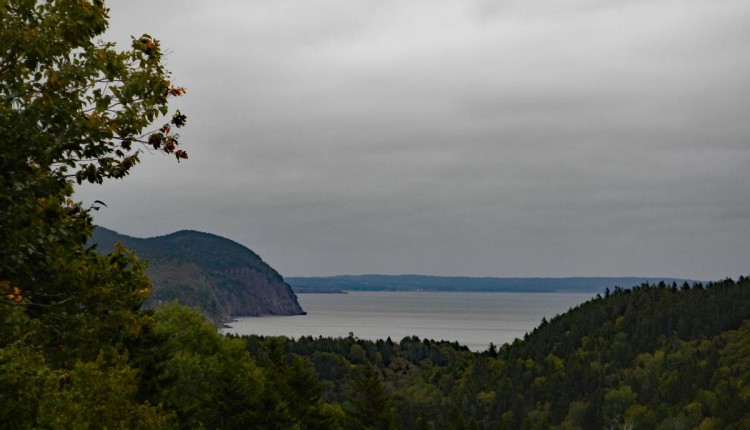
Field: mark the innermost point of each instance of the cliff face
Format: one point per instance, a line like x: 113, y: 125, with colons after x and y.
x: 216, y: 275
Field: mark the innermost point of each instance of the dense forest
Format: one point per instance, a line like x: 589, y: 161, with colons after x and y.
x: 78, y: 351
x: 651, y: 357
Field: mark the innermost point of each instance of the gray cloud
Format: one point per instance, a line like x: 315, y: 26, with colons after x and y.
x: 515, y: 138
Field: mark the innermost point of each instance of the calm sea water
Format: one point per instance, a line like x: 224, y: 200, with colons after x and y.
x: 472, y: 319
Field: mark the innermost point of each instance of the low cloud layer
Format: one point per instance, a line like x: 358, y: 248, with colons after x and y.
x: 514, y: 138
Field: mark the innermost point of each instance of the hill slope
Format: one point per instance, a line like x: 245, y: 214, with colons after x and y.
x: 216, y: 275
x: 649, y: 357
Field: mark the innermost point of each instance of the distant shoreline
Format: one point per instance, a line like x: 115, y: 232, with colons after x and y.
x: 319, y: 291
x: 341, y: 284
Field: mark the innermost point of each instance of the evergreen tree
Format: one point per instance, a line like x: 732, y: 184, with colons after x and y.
x: 371, y: 407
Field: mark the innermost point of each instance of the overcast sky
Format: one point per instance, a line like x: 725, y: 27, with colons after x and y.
x: 473, y: 137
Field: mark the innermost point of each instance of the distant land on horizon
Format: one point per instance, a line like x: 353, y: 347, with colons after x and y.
x: 472, y: 284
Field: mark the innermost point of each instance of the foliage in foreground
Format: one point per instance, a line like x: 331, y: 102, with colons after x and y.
x: 72, y: 109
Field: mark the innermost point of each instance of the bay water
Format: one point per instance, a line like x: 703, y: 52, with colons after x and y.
x: 471, y: 319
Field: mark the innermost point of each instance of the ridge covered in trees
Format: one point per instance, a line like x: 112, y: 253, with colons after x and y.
x: 221, y: 278
x: 651, y: 357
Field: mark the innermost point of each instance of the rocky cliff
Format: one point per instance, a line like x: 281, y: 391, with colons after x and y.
x: 216, y: 275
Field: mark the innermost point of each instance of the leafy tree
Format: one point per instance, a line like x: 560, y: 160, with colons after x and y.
x: 72, y: 109
x: 23, y: 373
x: 209, y: 381
x: 616, y: 401
x: 99, y: 394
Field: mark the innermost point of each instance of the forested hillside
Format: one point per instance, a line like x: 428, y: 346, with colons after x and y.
x: 218, y: 276
x: 651, y: 357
